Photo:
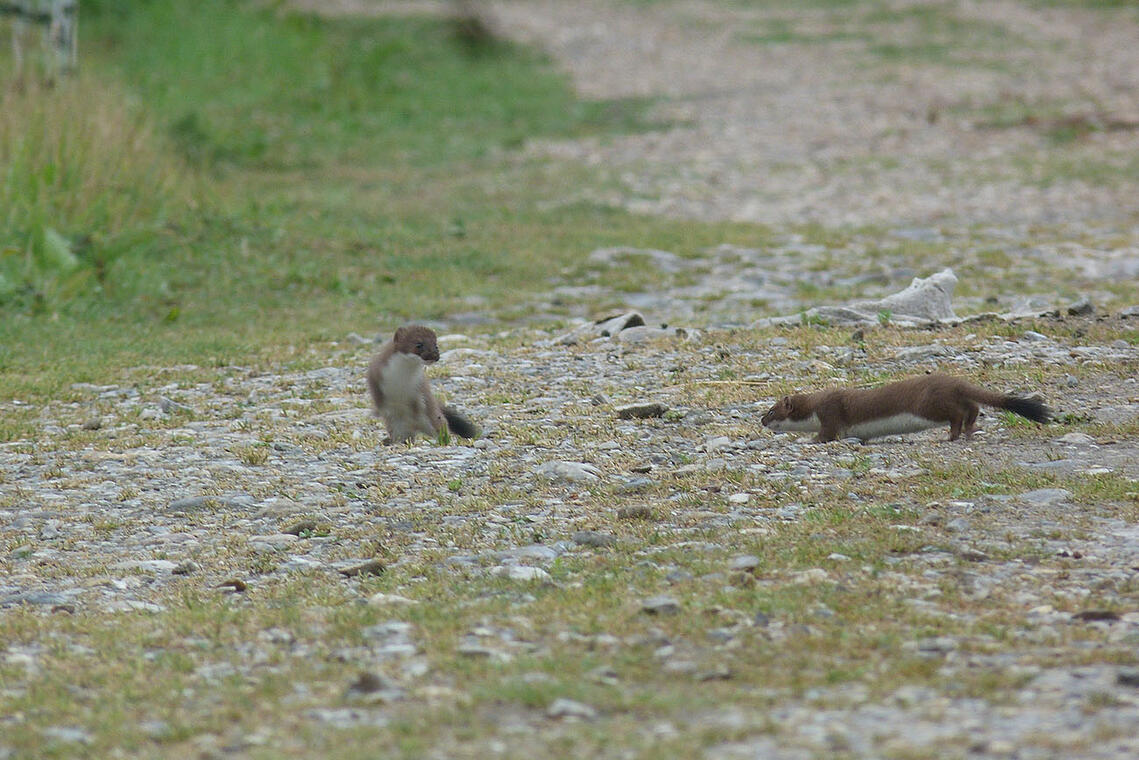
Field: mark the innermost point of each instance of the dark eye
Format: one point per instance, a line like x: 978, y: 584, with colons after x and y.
x: 419, y: 346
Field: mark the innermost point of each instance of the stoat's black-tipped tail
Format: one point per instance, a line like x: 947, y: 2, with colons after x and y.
x: 459, y: 424
x: 1029, y: 408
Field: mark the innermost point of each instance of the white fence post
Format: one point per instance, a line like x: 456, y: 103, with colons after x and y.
x: 60, y: 22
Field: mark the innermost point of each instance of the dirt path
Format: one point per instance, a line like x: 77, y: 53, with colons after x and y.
x: 888, y: 113
x: 836, y: 126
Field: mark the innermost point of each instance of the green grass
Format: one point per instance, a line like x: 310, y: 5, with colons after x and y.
x: 277, y: 90
x: 289, y: 178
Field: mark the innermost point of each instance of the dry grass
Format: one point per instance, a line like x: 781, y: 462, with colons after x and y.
x: 84, y: 178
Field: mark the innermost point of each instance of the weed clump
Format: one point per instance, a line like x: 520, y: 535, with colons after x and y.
x: 83, y: 177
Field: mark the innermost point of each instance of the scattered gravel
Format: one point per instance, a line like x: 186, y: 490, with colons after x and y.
x: 140, y: 490
x: 140, y: 505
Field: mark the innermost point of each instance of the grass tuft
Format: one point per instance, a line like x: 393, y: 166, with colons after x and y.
x: 84, y: 181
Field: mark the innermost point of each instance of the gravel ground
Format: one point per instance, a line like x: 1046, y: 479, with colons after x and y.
x: 786, y: 114
x: 140, y: 489
x: 132, y: 493
x: 820, y: 131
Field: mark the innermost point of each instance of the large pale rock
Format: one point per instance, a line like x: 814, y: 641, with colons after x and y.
x: 926, y: 300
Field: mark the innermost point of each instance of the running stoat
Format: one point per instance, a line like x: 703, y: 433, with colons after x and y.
x: 906, y: 406
x: 401, y: 393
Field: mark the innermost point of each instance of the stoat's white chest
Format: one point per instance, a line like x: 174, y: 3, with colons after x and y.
x: 402, y: 379
x: 805, y: 425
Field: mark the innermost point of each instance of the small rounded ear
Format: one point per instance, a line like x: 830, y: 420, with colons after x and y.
x: 399, y: 333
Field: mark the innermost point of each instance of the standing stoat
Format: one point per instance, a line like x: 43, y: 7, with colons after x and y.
x: 906, y: 406
x: 400, y: 390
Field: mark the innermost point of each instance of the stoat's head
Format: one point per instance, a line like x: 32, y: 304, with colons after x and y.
x: 417, y: 340
x: 788, y: 413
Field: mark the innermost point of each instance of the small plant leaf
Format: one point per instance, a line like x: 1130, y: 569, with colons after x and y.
x: 56, y: 253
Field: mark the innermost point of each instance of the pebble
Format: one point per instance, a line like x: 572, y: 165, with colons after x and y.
x: 274, y: 541
x: 37, y: 598
x: 594, y: 539
x: 1081, y: 308
x: 957, y: 525
x: 660, y: 605
x: 1079, y: 439
x: 368, y: 683
x: 569, y: 472
x: 67, y: 734
x: 745, y: 563
x: 635, y: 512
x: 382, y: 600
x: 641, y: 410
x: 148, y: 566
x: 1128, y: 677
x: 521, y: 573
x: 169, y: 406
x: 358, y: 568
x: 1046, y: 496
x: 811, y: 577
x: 568, y: 708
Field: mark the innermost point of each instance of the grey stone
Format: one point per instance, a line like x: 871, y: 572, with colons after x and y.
x: 926, y: 300
x: 568, y: 708
x: 1080, y: 439
x: 274, y: 541
x: 717, y: 443
x: 521, y: 573
x: 157, y: 730
x: 67, y: 734
x: 920, y: 234
x: 635, y: 512
x: 679, y: 575
x: 1081, y: 308
x: 1046, y: 496
x: 594, y: 538
x: 957, y: 525
x: 641, y: 410
x: 195, y: 503
x: 578, y: 473
x: 538, y: 552
x: 161, y: 566
x: 1127, y: 677
x: 919, y: 353
x: 353, y: 568
x: 37, y: 598
x: 603, y: 674
x: 745, y: 563
x: 349, y: 717
x: 660, y: 605
x: 610, y: 326
x: 644, y: 333
x: 169, y: 406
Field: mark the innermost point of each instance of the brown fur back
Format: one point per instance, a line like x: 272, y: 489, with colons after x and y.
x: 934, y: 398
